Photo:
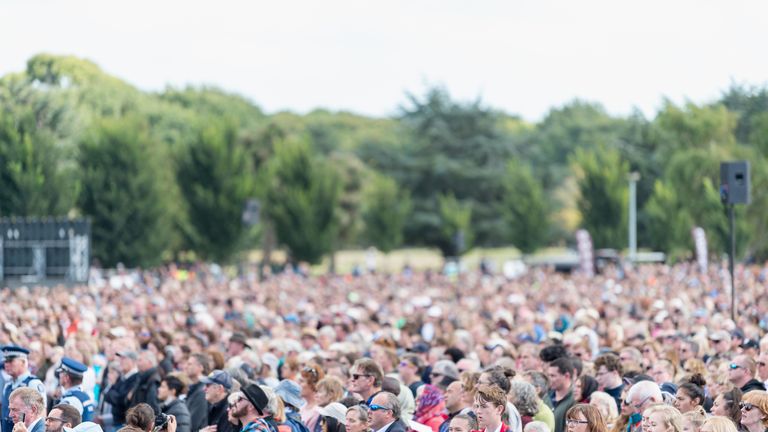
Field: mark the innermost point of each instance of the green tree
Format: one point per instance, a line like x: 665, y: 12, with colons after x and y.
x: 124, y: 193
x: 302, y: 201
x: 602, y: 180
x: 456, y: 224
x: 526, y: 209
x: 216, y: 180
x: 385, y: 210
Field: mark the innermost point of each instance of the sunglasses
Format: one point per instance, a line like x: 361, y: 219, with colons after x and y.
x: 734, y: 366
x: 746, y: 406
x: 355, y: 377
x: 374, y: 407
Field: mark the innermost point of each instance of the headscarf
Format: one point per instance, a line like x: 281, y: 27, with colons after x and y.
x: 431, y: 404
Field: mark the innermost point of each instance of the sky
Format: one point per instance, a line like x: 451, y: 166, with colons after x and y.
x: 522, y: 57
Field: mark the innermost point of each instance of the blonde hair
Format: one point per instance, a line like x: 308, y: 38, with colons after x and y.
x: 669, y: 415
x: 696, y: 416
x: 720, y: 424
x: 605, y: 402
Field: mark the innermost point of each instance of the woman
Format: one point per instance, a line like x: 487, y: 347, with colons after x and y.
x: 310, y: 375
x: 584, y: 418
x: 430, y: 407
x: 727, y: 405
x: 718, y: 424
x: 690, y: 394
x: 357, y: 419
x: 606, y: 404
x: 662, y: 418
x: 583, y: 388
x: 693, y: 420
x: 329, y: 389
x: 523, y: 397
x: 754, y: 411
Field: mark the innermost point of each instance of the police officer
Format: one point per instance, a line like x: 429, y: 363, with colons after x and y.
x: 17, y: 367
x: 70, y: 375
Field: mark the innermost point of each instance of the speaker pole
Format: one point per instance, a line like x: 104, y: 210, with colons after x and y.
x: 731, y: 220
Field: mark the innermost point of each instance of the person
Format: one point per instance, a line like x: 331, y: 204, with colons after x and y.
x: 238, y: 343
x: 218, y: 384
x: 409, y: 369
x: 17, y: 367
x: 197, y: 366
x: 121, y: 387
x: 26, y: 410
x: 384, y: 413
x: 606, y: 404
x: 462, y: 423
x: 147, y: 382
x: 560, y: 373
x: 430, y: 407
x: 662, y: 418
x: 718, y: 424
x: 141, y: 417
x: 741, y: 372
x: 357, y: 419
x: 500, y: 376
x: 583, y: 388
x: 490, y: 403
x: 726, y: 404
x: 608, y: 371
x: 584, y: 418
x: 309, y: 376
x: 290, y: 393
x: 454, y: 404
x: 365, y: 378
x: 690, y: 394
x: 332, y: 417
x: 61, y: 416
x: 248, y: 409
x: 171, y: 387
x: 694, y: 419
x: 70, y: 375
x: 329, y: 389
x: 754, y: 411
x: 523, y: 396
x: 640, y: 396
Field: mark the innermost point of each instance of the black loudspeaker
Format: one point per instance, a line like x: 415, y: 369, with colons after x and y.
x: 734, y: 182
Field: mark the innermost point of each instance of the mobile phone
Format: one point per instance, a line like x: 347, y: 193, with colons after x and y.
x: 22, y: 416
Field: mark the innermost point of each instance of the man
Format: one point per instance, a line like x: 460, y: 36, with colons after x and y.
x: 217, y: 387
x: 443, y: 369
x: 467, y: 365
x: 721, y: 343
x: 17, y: 367
x: 762, y: 368
x: 454, y: 403
x: 631, y: 359
x: 490, y: 402
x: 70, y: 375
x: 237, y: 344
x: 248, y: 409
x: 640, y: 396
x: 384, y: 413
x: 121, y: 388
x: 560, y: 373
x: 197, y: 367
x: 608, y: 376
x: 365, y: 378
x: 147, y: 382
x: 409, y: 370
x: 741, y: 372
x: 26, y: 407
x: 528, y: 357
x: 662, y: 371
x: 62, y: 416
x: 168, y: 393
x: 462, y: 423
x: 688, y: 349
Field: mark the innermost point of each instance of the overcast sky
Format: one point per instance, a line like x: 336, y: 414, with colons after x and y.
x: 523, y: 57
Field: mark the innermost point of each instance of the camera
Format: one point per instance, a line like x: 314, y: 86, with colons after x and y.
x: 161, y: 421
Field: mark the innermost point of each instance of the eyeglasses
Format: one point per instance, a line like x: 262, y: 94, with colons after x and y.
x: 746, y: 406
x: 234, y: 404
x: 374, y: 407
x: 573, y: 422
x: 734, y: 366
x: 435, y: 374
x: 354, y: 377
x: 638, y: 405
x: 310, y: 370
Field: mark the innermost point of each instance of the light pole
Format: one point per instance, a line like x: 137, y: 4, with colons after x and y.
x: 633, y: 179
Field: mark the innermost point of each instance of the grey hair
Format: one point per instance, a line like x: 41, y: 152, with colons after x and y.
x: 536, y: 426
x: 523, y: 395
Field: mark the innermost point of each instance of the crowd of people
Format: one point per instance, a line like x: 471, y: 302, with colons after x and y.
x: 651, y: 347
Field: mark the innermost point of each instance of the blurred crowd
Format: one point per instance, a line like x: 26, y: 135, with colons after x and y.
x: 651, y: 347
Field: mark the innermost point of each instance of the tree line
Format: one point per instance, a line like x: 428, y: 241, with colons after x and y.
x: 161, y: 174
